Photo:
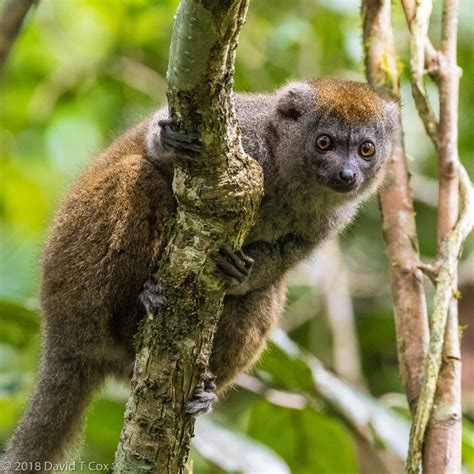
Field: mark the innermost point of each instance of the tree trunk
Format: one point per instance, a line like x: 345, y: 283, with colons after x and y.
x: 217, y: 193
x: 396, y: 205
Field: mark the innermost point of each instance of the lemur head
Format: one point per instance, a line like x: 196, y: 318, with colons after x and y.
x: 334, y: 133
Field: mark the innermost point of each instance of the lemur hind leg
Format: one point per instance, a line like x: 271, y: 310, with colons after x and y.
x: 243, y: 329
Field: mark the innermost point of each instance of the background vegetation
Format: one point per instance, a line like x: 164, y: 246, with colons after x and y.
x: 82, y: 72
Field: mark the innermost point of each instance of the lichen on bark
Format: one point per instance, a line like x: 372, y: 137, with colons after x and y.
x: 218, y: 193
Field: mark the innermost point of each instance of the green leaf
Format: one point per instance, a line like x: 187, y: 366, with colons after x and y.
x: 308, y: 441
x: 468, y: 444
x: 286, y: 372
x: 19, y: 325
x: 10, y: 411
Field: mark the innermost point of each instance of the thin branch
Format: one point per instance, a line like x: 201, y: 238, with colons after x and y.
x: 431, y: 270
x: 431, y: 54
x: 396, y: 205
x: 329, y: 279
x: 11, y: 19
x: 341, y: 403
x: 419, y: 24
x: 449, y: 254
x: 340, y: 316
x: 139, y: 76
x: 440, y: 403
x: 443, y: 439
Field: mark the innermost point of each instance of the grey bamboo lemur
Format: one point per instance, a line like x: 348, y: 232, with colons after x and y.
x: 322, y: 145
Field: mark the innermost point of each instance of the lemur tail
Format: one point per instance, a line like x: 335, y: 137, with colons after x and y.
x: 51, y: 425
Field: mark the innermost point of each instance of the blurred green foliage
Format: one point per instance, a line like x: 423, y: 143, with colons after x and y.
x: 81, y: 72
x: 319, y: 442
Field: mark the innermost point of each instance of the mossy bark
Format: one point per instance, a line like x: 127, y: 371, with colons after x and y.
x: 218, y: 193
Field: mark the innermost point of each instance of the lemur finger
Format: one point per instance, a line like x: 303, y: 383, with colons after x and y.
x: 228, y: 268
x: 210, y: 383
x: 228, y: 251
x: 171, y: 134
x: 229, y: 281
x: 147, y: 304
x: 175, y: 139
x: 172, y: 144
x: 164, y: 122
x: 249, y: 261
x: 243, y: 262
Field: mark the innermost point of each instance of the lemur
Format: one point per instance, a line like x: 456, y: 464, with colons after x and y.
x: 322, y: 144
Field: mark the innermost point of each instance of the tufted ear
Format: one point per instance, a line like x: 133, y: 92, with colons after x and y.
x: 294, y: 100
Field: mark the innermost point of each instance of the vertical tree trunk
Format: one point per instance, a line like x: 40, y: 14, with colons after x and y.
x: 396, y: 204
x: 217, y: 195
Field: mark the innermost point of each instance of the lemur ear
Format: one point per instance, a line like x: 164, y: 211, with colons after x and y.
x: 392, y: 113
x: 294, y: 100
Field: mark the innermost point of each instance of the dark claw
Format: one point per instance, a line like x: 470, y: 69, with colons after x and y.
x: 173, y: 140
x: 152, y: 297
x: 203, y: 398
x: 234, y: 266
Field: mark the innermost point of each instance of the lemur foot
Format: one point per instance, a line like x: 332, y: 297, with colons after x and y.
x: 234, y: 266
x: 203, y: 397
x: 173, y: 140
x: 152, y: 297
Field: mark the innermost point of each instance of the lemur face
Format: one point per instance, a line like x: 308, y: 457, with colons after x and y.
x: 344, y: 157
x: 334, y: 133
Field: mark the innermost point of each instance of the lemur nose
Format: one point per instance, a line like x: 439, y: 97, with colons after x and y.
x: 347, y: 175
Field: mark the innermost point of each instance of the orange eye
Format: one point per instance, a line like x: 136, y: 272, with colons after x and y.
x: 367, y: 149
x: 324, y: 143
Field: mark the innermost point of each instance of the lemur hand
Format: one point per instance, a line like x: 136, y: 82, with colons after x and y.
x: 233, y: 266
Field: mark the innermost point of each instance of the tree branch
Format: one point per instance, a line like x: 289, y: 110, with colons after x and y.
x: 443, y: 439
x: 11, y: 19
x: 431, y: 54
x: 446, y: 281
x: 442, y: 443
x: 396, y: 205
x: 418, y: 19
x: 340, y: 316
x: 217, y: 194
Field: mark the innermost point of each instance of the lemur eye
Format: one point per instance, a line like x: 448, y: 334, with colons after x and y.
x: 324, y: 143
x: 367, y: 149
